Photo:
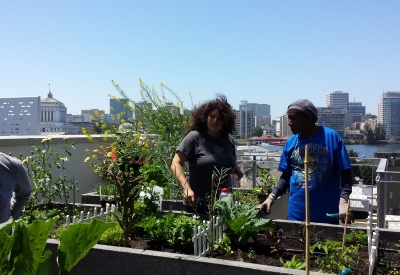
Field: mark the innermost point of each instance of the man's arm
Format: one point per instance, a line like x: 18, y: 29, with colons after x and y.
x: 21, y: 193
x: 346, y: 183
x: 282, y: 185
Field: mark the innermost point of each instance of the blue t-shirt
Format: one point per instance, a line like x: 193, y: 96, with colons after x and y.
x: 327, y: 157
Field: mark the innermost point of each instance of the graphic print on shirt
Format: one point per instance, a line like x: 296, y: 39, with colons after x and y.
x: 317, y: 165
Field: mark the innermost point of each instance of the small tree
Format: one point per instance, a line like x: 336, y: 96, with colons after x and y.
x: 258, y: 131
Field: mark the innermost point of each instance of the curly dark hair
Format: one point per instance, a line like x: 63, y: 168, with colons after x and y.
x: 227, y: 114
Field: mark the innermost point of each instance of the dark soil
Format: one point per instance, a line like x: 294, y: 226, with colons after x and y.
x: 268, y: 251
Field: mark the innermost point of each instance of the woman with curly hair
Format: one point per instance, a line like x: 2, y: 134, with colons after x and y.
x: 207, y: 146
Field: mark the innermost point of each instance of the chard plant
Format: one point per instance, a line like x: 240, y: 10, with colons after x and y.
x: 242, y: 220
x: 23, y: 251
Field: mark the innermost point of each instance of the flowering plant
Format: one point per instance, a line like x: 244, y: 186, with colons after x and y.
x: 45, y: 167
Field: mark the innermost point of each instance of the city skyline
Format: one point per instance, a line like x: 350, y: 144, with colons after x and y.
x: 265, y: 52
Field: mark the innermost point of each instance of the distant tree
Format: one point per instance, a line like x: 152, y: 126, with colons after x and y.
x: 258, y: 131
x: 380, y: 132
x: 368, y: 133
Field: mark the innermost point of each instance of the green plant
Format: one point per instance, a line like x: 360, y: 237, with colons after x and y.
x: 295, y: 263
x: 266, y: 181
x: 105, y: 190
x: 41, y: 166
x: 165, y: 118
x: 242, y: 220
x: 170, y: 229
x: 112, y: 236
x: 336, y: 257
x: 246, y: 196
x: 251, y: 254
x: 225, y: 245
x: 23, y: 252
x: 357, y: 237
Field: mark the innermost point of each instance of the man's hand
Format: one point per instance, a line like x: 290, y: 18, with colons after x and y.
x: 189, y: 197
x: 266, y: 205
x: 344, y: 208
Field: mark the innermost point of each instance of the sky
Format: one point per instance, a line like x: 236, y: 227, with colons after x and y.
x: 262, y: 51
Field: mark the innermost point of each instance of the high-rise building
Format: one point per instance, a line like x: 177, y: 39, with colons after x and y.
x: 19, y: 116
x: 282, y: 126
x: 336, y: 118
x: 357, y: 110
x: 337, y: 99
x: 258, y: 109
x: 120, y: 109
x: 244, y: 123
x: 389, y: 114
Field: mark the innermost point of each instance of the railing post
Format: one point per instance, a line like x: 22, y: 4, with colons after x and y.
x: 254, y: 171
x: 381, y: 193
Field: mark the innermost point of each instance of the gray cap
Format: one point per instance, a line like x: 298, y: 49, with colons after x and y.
x: 305, y: 106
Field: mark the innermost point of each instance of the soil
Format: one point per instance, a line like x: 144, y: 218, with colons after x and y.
x: 268, y: 251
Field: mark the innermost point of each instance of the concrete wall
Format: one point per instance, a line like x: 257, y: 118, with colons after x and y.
x: 75, y: 167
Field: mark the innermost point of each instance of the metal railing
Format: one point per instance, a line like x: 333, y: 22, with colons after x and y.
x: 376, y: 186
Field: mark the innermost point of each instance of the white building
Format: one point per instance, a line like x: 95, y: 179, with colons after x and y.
x: 282, y: 126
x: 337, y: 99
x: 389, y: 114
x: 53, y: 118
x: 19, y: 116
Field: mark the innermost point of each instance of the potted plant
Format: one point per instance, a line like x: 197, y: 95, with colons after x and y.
x: 265, y: 183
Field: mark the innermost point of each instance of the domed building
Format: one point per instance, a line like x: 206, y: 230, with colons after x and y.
x: 53, y: 118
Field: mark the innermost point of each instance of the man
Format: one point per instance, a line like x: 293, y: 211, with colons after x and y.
x: 15, y: 187
x: 330, y: 176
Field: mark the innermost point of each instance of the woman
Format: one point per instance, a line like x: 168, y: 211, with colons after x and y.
x: 207, y: 147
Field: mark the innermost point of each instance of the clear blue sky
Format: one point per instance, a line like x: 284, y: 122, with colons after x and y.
x: 262, y: 51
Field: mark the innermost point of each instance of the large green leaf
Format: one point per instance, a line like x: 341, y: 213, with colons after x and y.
x: 33, y: 260
x: 77, y: 240
x: 7, y: 245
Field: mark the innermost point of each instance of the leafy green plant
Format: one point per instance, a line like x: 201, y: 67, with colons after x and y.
x: 336, y: 257
x: 357, y: 237
x: 251, y: 254
x: 225, y: 245
x: 242, y: 220
x: 170, y: 229
x: 295, y: 263
x: 41, y: 166
x: 23, y: 252
x: 246, y: 196
x: 112, y: 236
x: 266, y: 181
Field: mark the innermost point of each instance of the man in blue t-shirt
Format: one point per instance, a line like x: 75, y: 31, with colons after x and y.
x: 329, y: 169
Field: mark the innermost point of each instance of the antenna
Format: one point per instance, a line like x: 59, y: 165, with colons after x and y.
x: 49, y: 87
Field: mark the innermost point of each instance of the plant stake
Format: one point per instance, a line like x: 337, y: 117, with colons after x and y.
x: 345, y: 224
x: 307, y: 211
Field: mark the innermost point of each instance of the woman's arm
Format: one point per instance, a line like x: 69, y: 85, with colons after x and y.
x: 177, y: 169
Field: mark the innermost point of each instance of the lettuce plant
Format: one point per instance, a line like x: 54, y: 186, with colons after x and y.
x: 22, y: 248
x: 242, y: 220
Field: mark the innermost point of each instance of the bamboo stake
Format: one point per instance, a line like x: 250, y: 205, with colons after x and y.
x: 211, y: 218
x: 307, y: 211
x: 345, y: 224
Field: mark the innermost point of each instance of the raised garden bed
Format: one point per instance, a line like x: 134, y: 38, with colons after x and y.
x: 145, y: 257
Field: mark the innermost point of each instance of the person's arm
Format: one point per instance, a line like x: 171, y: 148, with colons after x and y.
x: 177, y: 169
x: 279, y: 189
x: 282, y: 185
x: 22, y: 192
x: 346, y: 183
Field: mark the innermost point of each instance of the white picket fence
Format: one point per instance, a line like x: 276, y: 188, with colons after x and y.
x: 373, y: 241
x: 104, y: 215
x: 202, y: 233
